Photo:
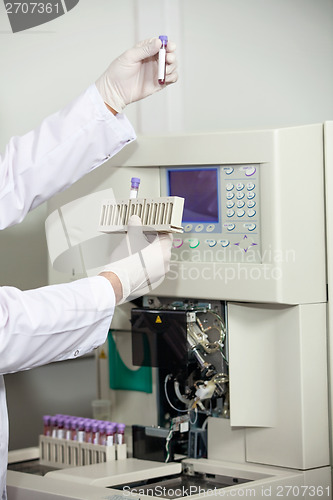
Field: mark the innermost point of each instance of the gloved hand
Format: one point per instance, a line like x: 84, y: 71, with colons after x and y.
x: 133, y: 75
x: 140, y: 265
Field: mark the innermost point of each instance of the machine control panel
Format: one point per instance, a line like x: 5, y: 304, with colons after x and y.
x: 221, y: 214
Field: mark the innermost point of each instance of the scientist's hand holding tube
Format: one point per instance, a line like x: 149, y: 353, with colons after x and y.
x: 134, y: 74
x: 138, y: 266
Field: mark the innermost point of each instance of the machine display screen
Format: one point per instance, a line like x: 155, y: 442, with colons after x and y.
x: 199, y: 187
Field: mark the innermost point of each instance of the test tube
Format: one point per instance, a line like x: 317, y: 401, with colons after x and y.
x: 47, y: 425
x: 60, y: 430
x: 68, y: 428
x: 135, y: 183
x: 54, y: 426
x: 101, y: 428
x: 110, y: 434
x: 74, y: 428
x: 81, y: 430
x: 88, y: 429
x: 162, y: 59
x: 121, y: 433
x: 95, y: 433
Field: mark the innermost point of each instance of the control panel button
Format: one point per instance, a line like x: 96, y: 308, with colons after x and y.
x: 198, y: 228
x: 230, y: 213
x: 230, y: 195
x: 251, y: 204
x: 240, y: 195
x: 230, y: 227
x: 250, y: 195
x: 240, y: 213
x: 228, y: 170
x: 250, y: 186
x: 239, y: 186
x: 211, y: 243
x: 240, y: 203
x: 251, y: 212
x: 177, y: 242
x: 250, y: 170
x: 224, y: 243
x: 193, y: 242
x: 188, y: 228
x: 210, y: 228
x: 250, y: 227
x: 230, y: 204
x: 229, y: 186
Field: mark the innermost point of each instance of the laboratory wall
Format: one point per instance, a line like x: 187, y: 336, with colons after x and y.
x: 242, y: 64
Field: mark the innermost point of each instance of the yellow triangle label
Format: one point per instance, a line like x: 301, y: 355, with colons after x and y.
x: 158, y: 320
x: 102, y: 355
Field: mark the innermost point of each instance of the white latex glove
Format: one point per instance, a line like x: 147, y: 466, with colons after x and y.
x: 133, y: 75
x: 140, y: 265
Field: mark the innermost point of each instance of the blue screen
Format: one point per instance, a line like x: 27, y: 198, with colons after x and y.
x: 199, y: 187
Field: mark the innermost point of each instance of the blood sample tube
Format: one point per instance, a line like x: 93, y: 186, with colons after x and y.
x: 101, y: 429
x: 95, y: 433
x: 74, y: 428
x: 60, y: 430
x: 121, y: 433
x: 68, y: 428
x: 162, y: 59
x: 54, y: 426
x: 47, y: 425
x: 135, y: 182
x: 110, y: 434
x: 88, y: 430
x: 81, y: 430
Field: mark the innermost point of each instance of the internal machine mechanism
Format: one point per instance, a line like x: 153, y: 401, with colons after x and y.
x: 187, y: 341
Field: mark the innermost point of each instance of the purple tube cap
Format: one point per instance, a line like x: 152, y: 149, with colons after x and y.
x: 163, y: 38
x: 135, y: 182
x: 121, y: 427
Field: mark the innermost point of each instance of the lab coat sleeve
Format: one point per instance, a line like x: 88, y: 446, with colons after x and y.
x: 53, y: 323
x: 66, y: 146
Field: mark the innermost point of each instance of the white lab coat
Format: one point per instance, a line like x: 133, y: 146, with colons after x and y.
x: 61, y: 321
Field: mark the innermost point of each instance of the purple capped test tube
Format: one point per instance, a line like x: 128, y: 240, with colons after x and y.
x: 162, y: 59
x: 121, y: 433
x: 110, y: 434
x: 47, y: 425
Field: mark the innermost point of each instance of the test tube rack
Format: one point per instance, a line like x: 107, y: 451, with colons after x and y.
x: 63, y: 453
x: 157, y: 214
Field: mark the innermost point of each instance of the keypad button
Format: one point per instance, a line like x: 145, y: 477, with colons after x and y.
x: 230, y: 227
x: 210, y: 228
x: 193, y: 242
x: 250, y: 186
x: 211, y: 243
x: 229, y: 186
x: 251, y: 212
x: 188, y: 228
x: 177, y: 242
x: 251, y: 204
x: 240, y: 195
x: 198, y: 228
x: 230, y: 195
x: 228, y: 170
x: 240, y: 213
x: 230, y: 204
x: 250, y: 170
x: 230, y: 213
x: 239, y: 186
x: 250, y: 195
x: 224, y: 243
x: 240, y: 203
